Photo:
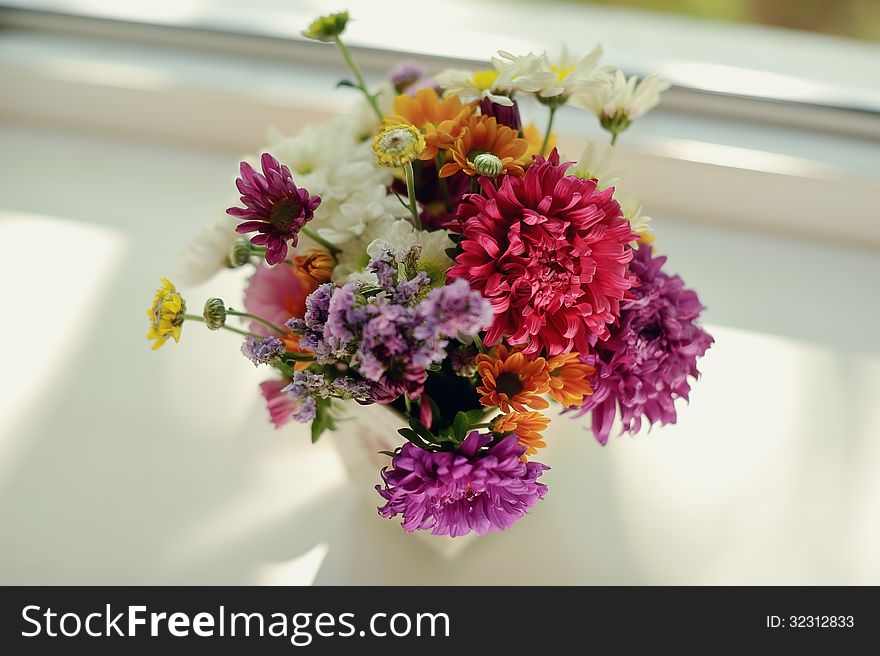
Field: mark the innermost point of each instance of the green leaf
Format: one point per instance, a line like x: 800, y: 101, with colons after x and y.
x: 460, y: 426
x: 347, y: 83
x: 475, y: 415
x: 413, y: 437
x: 390, y: 454
x: 422, y: 431
x: 319, y: 425
x: 451, y: 253
x: 435, y: 411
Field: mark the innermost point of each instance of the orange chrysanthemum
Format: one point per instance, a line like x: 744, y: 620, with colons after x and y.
x: 535, y: 138
x: 314, y: 267
x: 569, y: 379
x: 512, y: 381
x: 527, y: 426
x: 483, y: 134
x: 441, y: 121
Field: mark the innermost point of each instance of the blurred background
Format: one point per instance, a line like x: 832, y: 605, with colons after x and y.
x: 122, y: 126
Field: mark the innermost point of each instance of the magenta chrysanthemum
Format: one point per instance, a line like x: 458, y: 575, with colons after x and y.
x: 274, y: 207
x: 645, y: 364
x: 473, y: 489
x: 550, y: 253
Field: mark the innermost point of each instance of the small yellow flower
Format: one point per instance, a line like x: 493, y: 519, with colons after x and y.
x: 327, y: 28
x: 399, y: 144
x: 166, y: 315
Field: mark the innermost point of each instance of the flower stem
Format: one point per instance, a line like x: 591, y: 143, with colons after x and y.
x: 411, y: 190
x: 248, y: 315
x: 549, y: 130
x: 314, y: 236
x: 355, y: 69
x: 195, y: 317
x: 614, y: 137
x: 479, y: 342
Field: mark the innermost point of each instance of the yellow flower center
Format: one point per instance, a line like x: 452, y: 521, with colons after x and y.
x: 561, y: 71
x: 485, y: 79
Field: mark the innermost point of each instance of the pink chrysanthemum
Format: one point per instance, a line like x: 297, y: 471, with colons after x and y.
x: 274, y: 207
x: 550, y: 253
x: 278, y: 402
x: 276, y: 294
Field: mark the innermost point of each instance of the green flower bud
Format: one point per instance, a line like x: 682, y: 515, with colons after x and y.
x: 214, y: 313
x: 240, y: 253
x: 488, y: 164
x: 327, y: 28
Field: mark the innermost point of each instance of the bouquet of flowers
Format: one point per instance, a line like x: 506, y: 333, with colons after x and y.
x: 431, y: 253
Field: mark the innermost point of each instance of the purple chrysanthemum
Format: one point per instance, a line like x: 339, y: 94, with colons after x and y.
x: 473, y: 489
x: 274, y: 207
x: 645, y: 364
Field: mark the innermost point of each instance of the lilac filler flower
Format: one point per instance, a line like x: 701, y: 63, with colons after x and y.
x: 473, y: 489
x: 262, y: 350
x: 274, y: 207
x: 645, y: 364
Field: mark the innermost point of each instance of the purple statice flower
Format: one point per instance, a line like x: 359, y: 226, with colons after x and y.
x: 645, y: 364
x: 408, y: 78
x: 475, y: 488
x: 505, y: 114
x: 308, y: 388
x: 274, y: 207
x: 262, y: 350
x: 454, y: 309
x: 387, y: 334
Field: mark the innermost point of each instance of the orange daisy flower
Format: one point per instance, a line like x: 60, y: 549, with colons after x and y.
x: 441, y: 121
x: 527, y: 426
x: 569, y: 379
x: 535, y: 138
x: 483, y: 134
x: 511, y: 381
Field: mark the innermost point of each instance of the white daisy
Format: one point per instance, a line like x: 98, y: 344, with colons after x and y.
x: 595, y: 163
x: 632, y: 212
x: 470, y: 85
x: 622, y: 98
x: 548, y: 77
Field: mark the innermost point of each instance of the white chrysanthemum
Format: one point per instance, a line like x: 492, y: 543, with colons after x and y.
x: 334, y: 162
x: 206, y: 254
x: 622, y: 96
x: 632, y: 212
x: 595, y: 163
x: 400, y: 235
x: 470, y: 85
x: 548, y: 77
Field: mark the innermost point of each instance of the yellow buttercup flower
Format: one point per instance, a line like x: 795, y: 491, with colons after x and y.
x: 166, y: 315
x: 399, y: 144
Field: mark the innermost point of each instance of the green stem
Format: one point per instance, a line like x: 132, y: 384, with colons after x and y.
x: 352, y: 65
x: 408, y: 403
x: 314, y: 236
x: 614, y: 137
x: 411, y: 190
x: 479, y: 342
x: 444, y: 188
x: 486, y: 425
x: 549, y: 130
x: 195, y: 317
x: 248, y: 315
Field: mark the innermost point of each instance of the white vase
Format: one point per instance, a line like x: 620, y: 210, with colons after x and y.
x: 367, y: 430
